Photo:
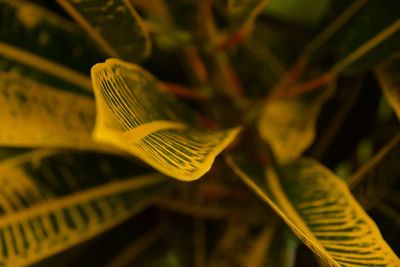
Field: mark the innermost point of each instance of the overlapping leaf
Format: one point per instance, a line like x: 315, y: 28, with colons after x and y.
x: 288, y: 124
x: 134, y: 115
x: 50, y: 201
x: 33, y: 114
x: 114, y: 25
x: 44, y: 87
x: 321, y: 211
x: 45, y: 47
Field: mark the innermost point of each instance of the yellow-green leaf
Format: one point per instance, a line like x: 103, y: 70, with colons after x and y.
x: 134, y: 115
x: 389, y: 78
x: 321, y: 211
x: 288, y: 123
x: 52, y: 201
x: 33, y: 114
x: 113, y: 24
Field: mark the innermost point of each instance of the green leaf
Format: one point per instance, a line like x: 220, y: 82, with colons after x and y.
x: 45, y: 47
x: 306, y: 12
x: 134, y: 115
x: 321, y: 211
x: 388, y: 75
x: 52, y: 201
x: 288, y: 123
x: 114, y: 25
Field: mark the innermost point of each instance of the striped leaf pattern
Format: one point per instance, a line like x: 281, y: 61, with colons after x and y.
x: 134, y: 115
x: 320, y: 209
x: 51, y: 201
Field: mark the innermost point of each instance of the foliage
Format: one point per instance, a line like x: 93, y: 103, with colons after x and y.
x: 112, y: 110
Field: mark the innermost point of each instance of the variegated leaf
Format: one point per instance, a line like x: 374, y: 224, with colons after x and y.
x: 113, y: 24
x: 50, y: 202
x: 321, y: 211
x: 134, y: 115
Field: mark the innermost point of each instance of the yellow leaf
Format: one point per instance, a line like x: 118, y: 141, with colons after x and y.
x: 288, y: 124
x: 321, y: 211
x: 135, y: 116
x: 33, y: 114
x: 50, y: 203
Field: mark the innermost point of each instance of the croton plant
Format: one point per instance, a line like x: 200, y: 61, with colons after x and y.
x: 199, y: 133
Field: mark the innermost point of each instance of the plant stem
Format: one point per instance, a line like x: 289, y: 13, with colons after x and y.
x: 183, y: 91
x: 361, y: 173
x: 389, y: 212
x: 244, y: 30
x: 301, y: 63
x: 333, y: 27
x: 127, y: 254
x: 338, y: 67
x: 224, y: 76
x: 308, y: 86
x: 366, y: 47
x: 330, y: 132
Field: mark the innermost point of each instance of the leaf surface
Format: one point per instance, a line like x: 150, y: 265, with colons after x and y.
x: 134, y: 115
x: 114, y: 25
x: 39, y: 44
x: 307, y: 12
x: 288, y: 124
x: 36, y: 115
x: 50, y: 201
x: 321, y: 211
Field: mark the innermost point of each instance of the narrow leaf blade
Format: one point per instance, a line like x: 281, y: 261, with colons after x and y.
x: 52, y: 202
x: 320, y: 210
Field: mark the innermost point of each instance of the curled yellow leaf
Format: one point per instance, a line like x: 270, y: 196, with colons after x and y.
x: 134, y: 115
